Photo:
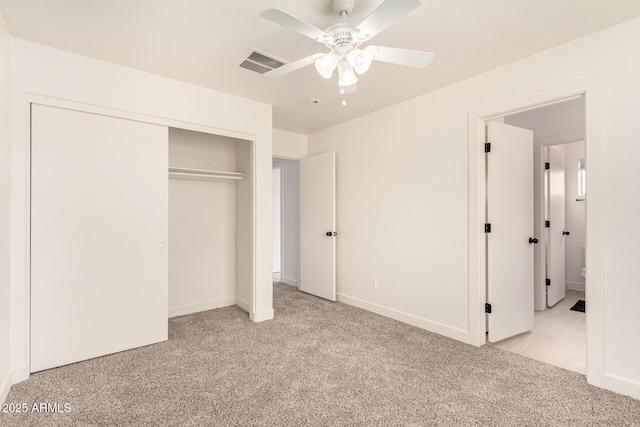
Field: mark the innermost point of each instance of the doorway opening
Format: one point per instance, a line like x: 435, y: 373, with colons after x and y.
x: 308, y: 224
x: 558, y: 331
x: 286, y: 221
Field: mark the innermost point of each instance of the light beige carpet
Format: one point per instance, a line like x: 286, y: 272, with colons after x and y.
x: 317, y: 363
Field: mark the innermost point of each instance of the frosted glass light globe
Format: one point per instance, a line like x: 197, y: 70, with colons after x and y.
x: 326, y: 64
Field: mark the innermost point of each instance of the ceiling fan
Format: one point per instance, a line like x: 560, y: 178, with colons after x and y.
x: 344, y: 38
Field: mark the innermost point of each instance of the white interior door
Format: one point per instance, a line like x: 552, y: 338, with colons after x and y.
x: 555, y: 236
x: 510, y: 255
x: 98, y: 235
x: 318, y: 225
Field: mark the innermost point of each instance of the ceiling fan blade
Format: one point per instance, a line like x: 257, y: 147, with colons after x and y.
x: 292, y: 66
x: 408, y: 57
x: 283, y: 18
x: 384, y: 15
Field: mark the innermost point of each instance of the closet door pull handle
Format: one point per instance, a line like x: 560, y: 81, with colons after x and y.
x: 533, y: 240
x: 331, y: 233
x: 565, y: 233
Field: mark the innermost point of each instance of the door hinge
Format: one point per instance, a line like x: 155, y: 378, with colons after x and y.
x: 548, y: 282
x: 546, y: 165
x: 487, y: 147
x: 487, y: 228
x: 547, y: 224
x: 487, y: 308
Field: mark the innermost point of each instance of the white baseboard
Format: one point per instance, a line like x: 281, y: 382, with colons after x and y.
x: 261, y: 316
x: 254, y: 316
x: 438, y: 328
x: 289, y: 281
x: 5, y: 386
x: 243, y: 304
x: 622, y: 386
x: 181, y: 310
x: 575, y: 286
x: 20, y: 374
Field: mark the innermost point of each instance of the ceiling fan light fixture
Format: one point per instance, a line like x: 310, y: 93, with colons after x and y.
x: 360, y: 60
x: 346, y: 74
x: 326, y: 64
x: 372, y: 50
x: 344, y: 37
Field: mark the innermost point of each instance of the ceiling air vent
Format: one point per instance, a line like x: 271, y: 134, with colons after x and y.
x: 260, y: 62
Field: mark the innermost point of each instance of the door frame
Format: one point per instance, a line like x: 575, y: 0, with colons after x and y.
x: 284, y: 219
x: 591, y: 89
x: 21, y: 316
x: 281, y: 217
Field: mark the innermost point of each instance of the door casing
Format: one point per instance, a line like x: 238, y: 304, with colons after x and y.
x: 591, y: 89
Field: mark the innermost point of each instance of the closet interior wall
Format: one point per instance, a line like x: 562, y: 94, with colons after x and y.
x: 204, y: 242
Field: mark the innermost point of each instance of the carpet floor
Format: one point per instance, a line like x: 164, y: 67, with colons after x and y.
x: 317, y: 363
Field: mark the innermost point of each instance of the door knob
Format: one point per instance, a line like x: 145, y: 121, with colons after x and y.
x: 565, y: 233
x: 533, y: 240
x: 331, y: 233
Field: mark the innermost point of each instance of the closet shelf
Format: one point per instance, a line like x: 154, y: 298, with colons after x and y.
x: 185, y: 173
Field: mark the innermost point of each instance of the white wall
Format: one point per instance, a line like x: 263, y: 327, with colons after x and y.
x: 575, y: 217
x: 402, y: 176
x: 5, y: 206
x: 290, y: 175
x: 52, y: 73
x: 289, y: 145
x: 202, y: 224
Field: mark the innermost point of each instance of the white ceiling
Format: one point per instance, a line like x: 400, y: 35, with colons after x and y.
x: 203, y: 42
x: 559, y: 123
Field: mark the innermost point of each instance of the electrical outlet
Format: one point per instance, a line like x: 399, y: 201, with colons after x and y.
x: 374, y: 284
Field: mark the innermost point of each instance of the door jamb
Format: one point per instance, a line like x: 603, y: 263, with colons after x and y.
x: 281, y: 237
x: 591, y: 89
x: 283, y: 218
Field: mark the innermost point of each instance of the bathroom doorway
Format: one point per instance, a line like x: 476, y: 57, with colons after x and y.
x: 559, y: 333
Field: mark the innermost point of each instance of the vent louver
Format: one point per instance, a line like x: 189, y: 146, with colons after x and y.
x: 260, y: 62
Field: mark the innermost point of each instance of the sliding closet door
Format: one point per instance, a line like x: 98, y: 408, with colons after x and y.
x: 98, y: 235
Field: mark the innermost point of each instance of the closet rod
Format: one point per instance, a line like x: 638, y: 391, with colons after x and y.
x: 202, y: 173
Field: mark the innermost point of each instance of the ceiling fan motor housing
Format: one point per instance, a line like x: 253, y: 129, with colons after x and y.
x: 342, y: 32
x: 343, y: 6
